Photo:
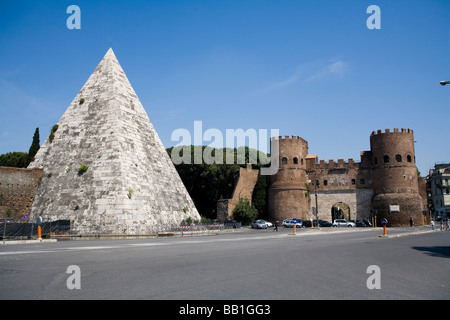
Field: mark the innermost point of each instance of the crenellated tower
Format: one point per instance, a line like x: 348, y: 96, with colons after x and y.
x: 394, y: 174
x: 288, y: 197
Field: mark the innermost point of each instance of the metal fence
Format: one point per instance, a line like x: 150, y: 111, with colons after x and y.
x: 18, y: 229
x: 199, y: 227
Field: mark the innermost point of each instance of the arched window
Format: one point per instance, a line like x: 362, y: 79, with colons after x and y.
x: 353, y: 181
x: 386, y: 159
x: 408, y: 158
x: 398, y: 158
x: 295, y: 160
x: 325, y: 182
x: 284, y: 160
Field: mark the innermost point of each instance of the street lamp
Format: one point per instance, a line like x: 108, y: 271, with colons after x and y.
x: 443, y: 83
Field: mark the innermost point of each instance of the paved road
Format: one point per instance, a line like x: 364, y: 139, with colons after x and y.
x: 247, y: 264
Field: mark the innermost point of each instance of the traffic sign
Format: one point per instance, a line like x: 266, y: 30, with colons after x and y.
x: 25, y: 216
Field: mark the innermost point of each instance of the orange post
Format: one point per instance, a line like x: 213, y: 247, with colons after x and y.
x: 295, y: 228
x: 39, y: 233
x: 384, y: 230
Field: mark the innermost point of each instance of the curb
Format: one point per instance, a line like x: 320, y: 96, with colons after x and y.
x: 27, y: 241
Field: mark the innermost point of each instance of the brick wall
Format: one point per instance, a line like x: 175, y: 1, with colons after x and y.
x: 17, y: 190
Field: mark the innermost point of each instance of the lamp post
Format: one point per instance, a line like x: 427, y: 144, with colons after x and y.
x: 443, y: 83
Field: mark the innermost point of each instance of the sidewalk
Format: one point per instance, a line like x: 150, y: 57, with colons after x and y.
x: 27, y: 241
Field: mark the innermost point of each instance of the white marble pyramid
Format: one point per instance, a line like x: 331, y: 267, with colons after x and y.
x: 130, y: 185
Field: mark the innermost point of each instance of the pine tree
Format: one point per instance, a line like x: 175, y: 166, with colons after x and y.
x: 34, y: 146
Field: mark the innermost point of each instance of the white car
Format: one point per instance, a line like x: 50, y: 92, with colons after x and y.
x: 343, y: 223
x: 269, y: 224
x: 287, y: 223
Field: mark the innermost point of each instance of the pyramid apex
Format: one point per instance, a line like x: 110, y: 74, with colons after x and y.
x: 109, y: 54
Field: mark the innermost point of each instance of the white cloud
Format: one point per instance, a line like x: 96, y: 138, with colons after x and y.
x: 312, y: 71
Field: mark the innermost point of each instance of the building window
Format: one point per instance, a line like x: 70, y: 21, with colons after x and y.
x: 295, y: 160
x: 284, y: 161
x: 386, y: 159
x: 398, y: 158
x: 408, y: 158
x: 325, y: 182
x: 353, y: 181
x: 361, y: 181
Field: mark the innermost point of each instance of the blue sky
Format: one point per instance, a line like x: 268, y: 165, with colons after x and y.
x: 307, y: 68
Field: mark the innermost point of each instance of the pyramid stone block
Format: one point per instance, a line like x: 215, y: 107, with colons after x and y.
x: 131, y: 185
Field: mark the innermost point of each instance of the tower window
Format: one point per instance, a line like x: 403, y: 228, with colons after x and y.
x: 386, y: 159
x: 408, y: 158
x: 284, y: 161
x: 325, y: 182
x: 398, y: 158
x: 295, y: 160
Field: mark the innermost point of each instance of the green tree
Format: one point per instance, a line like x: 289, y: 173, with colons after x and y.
x: 244, y: 211
x: 207, y: 183
x: 14, y: 159
x: 259, y: 197
x: 34, y: 148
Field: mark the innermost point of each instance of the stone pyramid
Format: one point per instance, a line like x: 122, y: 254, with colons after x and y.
x: 105, y: 168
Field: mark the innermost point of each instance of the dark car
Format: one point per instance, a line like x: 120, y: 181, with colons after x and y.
x: 231, y: 224
x: 323, y: 223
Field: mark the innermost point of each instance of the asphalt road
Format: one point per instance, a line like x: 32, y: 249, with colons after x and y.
x: 247, y: 264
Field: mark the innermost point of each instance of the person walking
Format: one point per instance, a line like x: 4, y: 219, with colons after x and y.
x: 411, y: 221
x: 432, y: 224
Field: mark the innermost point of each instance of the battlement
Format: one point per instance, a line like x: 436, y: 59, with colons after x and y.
x: 287, y: 137
x: 396, y: 130
x: 314, y: 163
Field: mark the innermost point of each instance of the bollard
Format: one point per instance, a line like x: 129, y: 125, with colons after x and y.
x: 384, y: 230
x: 39, y: 233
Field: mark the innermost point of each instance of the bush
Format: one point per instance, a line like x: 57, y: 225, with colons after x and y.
x: 83, y: 168
x: 244, y: 212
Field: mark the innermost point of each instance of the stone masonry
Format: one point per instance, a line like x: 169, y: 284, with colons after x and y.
x: 106, y: 169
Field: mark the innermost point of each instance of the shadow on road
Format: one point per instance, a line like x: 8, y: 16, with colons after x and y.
x: 443, y: 252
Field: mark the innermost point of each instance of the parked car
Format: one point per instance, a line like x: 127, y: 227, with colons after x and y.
x: 343, y: 223
x: 287, y: 223
x: 323, y: 223
x: 258, y: 224
x: 231, y: 224
x: 269, y: 224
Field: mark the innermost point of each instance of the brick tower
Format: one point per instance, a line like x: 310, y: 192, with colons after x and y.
x: 287, y: 195
x: 395, y: 180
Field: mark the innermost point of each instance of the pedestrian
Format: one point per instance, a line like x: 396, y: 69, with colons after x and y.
x: 432, y: 224
x: 275, y: 228
x: 411, y: 221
